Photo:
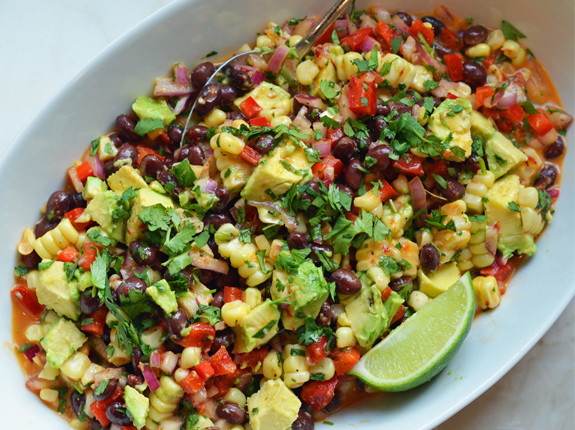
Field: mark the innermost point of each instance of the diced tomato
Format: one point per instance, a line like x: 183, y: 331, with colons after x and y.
x: 451, y: 96
x: 410, y: 166
x: 68, y: 255
x: 318, y: 351
x: 144, y: 150
x: 385, y: 294
x: 201, y: 335
x: 326, y: 36
x: 250, y: 108
x: 344, y: 359
x: 439, y: 168
x: 318, y: 394
x: 515, y: 113
x: 489, y: 61
x: 454, y: 63
x: 89, y: 256
x: 252, y: 360
x: 450, y: 40
x: 500, y: 270
x: 321, y: 168
x: 129, y: 428
x: 398, y: 315
x: 222, y: 362
x: 98, y: 324
x: 204, y: 370
x: 350, y: 216
x: 98, y: 408
x: 192, y: 383
x: 334, y: 135
x: 83, y: 171
x: 260, y: 121
x: 355, y: 40
x: 362, y: 96
x: 386, y: 191
x: 418, y: 27
x: 251, y: 155
x: 73, y: 216
x: 27, y: 300
x: 540, y: 123
x: 231, y: 294
x: 483, y: 93
x: 385, y: 33
x: 224, y: 382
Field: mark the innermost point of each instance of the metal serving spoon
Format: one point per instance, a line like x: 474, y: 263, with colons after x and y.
x: 302, y: 48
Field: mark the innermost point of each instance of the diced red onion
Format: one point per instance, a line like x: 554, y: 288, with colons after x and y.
x: 409, y: 52
x: 181, y: 105
x: 549, y: 137
x: 381, y: 13
x: 417, y: 193
x: 368, y: 44
x: 415, y: 111
x: 289, y: 221
x: 341, y: 27
x: 428, y: 59
x: 97, y: 166
x: 559, y: 118
x: 258, y: 62
x: 109, y: 373
x: 303, y: 27
x: 181, y: 74
x: 366, y: 21
x: 398, y: 23
x: 150, y: 378
x: 443, y: 88
x: 310, y: 101
x: 155, y: 359
x: 205, y: 262
x: 76, y: 182
x: 343, y: 105
x: 553, y: 192
x: 491, y: 234
x: 323, y: 146
x: 207, y: 185
x: 508, y: 98
x: 116, y: 427
x: 199, y: 397
x: 329, y: 175
x: 278, y: 57
x: 169, y: 87
x: 492, y: 101
x: 351, y: 27
x: 35, y: 384
x: 169, y: 362
x: 287, y: 29
x: 300, y: 121
x: 31, y: 352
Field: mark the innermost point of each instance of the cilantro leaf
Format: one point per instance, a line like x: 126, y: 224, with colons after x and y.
x: 144, y: 126
x: 94, y: 145
x: 396, y: 44
x: 513, y: 206
x: 184, y: 173
x: 510, y: 32
x: 327, y: 88
x: 311, y: 332
x: 97, y: 236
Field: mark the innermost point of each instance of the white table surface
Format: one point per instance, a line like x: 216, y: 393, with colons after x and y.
x: 45, y: 43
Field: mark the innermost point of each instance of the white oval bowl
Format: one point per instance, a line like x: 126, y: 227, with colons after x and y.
x: 186, y: 31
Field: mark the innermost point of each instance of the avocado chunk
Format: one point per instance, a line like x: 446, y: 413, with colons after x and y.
x: 62, y: 341
x: 55, y: 291
x: 266, y: 95
x: 367, y: 315
x: 137, y: 405
x: 106, y: 149
x: 101, y: 209
x: 126, y: 177
x: 391, y: 305
x: 93, y: 186
x: 308, y: 289
x: 257, y: 327
x: 453, y: 117
x: 511, y: 236
x: 147, y: 108
x: 163, y: 296
x: 274, y: 406
x: 433, y: 284
x: 144, y: 198
x: 276, y: 174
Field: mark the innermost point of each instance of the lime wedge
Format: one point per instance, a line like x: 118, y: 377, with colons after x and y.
x: 422, y: 346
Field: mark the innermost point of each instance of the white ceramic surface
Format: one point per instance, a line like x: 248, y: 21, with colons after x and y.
x: 94, y: 97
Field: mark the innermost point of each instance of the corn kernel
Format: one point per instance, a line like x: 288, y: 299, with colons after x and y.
x: 153, y: 337
x: 49, y: 373
x: 264, y: 41
x: 343, y: 320
x: 417, y: 300
x: 234, y: 312
x: 511, y: 49
x: 227, y: 143
x: 190, y: 357
x: 236, y: 396
x: 180, y: 374
x: 253, y: 297
x: 238, y: 123
x: 88, y: 376
x: 49, y: 395
x: 271, y: 366
x: 34, y: 333
x: 75, y: 367
x: 479, y: 50
x: 280, y: 120
x: 295, y: 39
x: 296, y: 379
x: 487, y: 292
x: 495, y: 40
x: 325, y: 366
x: 369, y: 201
x: 344, y: 337
x: 214, y: 118
x: 306, y: 71
x: 348, y: 65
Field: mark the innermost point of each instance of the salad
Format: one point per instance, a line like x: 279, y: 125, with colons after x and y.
x: 316, y: 205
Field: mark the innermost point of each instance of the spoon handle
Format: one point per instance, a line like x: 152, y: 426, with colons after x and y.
x: 336, y: 10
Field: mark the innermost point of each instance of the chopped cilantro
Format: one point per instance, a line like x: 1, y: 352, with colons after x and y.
x: 396, y: 44
x: 94, y: 144
x: 327, y: 88
x: 510, y: 32
x: 146, y: 125
x: 513, y: 207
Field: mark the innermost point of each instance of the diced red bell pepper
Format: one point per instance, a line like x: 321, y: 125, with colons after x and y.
x: 362, y: 97
x: 439, y: 168
x: 483, y: 93
x: 320, y: 168
x: 350, y: 216
x: 222, y: 362
x: 251, y: 155
x: 88, y: 256
x: 27, y: 300
x: 201, y: 335
x: 99, y: 407
x: 385, y: 33
x: 231, y: 294
x: 344, y: 359
x: 450, y: 40
x: 489, y: 61
x: 386, y: 191
x: 515, y: 113
x: 83, y: 171
x: 318, y: 351
x: 252, y: 360
x: 451, y: 96
x: 250, y: 108
x: 204, y: 370
x: 192, y: 383
x: 144, y: 150
x: 454, y: 63
x: 73, y: 216
x: 326, y: 36
x: 318, y: 394
x: 334, y: 135
x: 418, y: 27
x: 68, y: 255
x: 411, y: 165
x: 386, y: 293
x: 260, y: 121
x: 97, y: 326
x: 540, y: 123
x: 500, y: 270
x: 398, y: 314
x: 355, y: 40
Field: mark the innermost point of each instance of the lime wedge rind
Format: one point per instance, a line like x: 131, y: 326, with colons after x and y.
x: 423, y: 345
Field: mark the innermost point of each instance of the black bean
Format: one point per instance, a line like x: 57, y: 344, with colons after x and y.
x: 397, y: 284
x: 175, y: 133
x: 297, y: 240
x: 110, y: 387
x: 131, y: 283
x: 134, y: 380
x: 436, y: 23
x: 345, y: 189
x: 116, y: 140
x: 197, y: 134
x: 95, y: 425
x: 312, y: 192
x: 227, y: 95
x: 316, y: 248
x: 399, y: 108
x: 142, y: 253
x: 117, y: 414
x: 344, y: 148
x: 177, y: 322
x: 235, y: 115
x: 151, y: 165
x: 453, y: 191
x: 181, y: 154
x: 78, y: 401
x: 376, y: 125
x: 429, y: 258
x: 555, y: 150
x: 58, y: 204
x: 325, y: 317
x: 264, y: 144
x: 380, y: 154
x: 304, y: 421
x: 217, y: 220
x: 546, y: 177
x: 44, y: 226
x: 126, y: 125
x: 218, y: 301
x: 88, y: 302
x: 405, y: 17
x: 223, y: 195
x: 475, y: 35
x: 472, y: 163
x: 441, y: 50
x: 165, y: 178
x: 223, y: 338
x: 136, y: 358
x: 196, y: 156
x: 207, y: 99
x: 240, y: 79
x: 127, y: 151
x: 382, y: 109
x: 77, y: 201
x: 346, y: 282
x: 474, y: 74
x: 201, y: 74
x: 352, y: 174
x: 231, y: 412
x: 31, y: 260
